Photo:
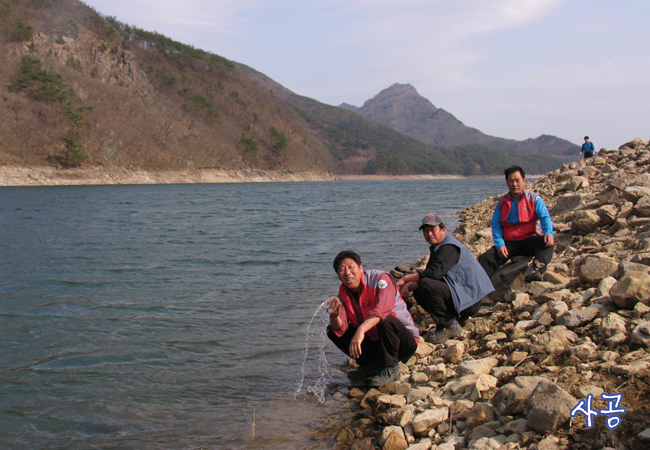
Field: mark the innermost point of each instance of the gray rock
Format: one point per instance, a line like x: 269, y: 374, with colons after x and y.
x: 481, y: 413
x: 612, y: 324
x: 429, y: 419
x: 549, y: 406
x: 631, y: 289
x: 512, y: 398
x: 477, y: 366
x: 392, y: 438
x: 641, y: 333
x: 585, y: 222
x: 577, y: 317
x: 567, y: 202
x: 592, y: 269
x: 583, y: 351
x: 486, y: 444
x: 642, y: 207
x: 605, y: 285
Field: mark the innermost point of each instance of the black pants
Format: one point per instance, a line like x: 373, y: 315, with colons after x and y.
x: 532, y: 246
x: 435, y: 297
x: 395, y: 343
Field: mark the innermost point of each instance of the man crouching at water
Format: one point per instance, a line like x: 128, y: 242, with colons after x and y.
x: 370, y: 322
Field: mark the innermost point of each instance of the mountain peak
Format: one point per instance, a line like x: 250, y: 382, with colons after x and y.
x: 400, y: 93
x: 402, y: 108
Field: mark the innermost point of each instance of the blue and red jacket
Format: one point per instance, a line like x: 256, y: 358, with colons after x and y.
x: 516, y: 220
x: 374, y: 283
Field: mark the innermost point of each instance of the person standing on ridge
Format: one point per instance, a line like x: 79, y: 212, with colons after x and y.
x: 370, y: 322
x: 451, y: 286
x: 521, y: 226
x: 587, y: 148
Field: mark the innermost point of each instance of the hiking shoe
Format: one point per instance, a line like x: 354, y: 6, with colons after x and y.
x: 535, y: 272
x: 364, y: 372
x: 440, y: 336
x: 387, y: 375
x: 532, y: 274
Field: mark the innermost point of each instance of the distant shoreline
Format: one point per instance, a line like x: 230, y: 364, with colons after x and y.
x: 51, y: 176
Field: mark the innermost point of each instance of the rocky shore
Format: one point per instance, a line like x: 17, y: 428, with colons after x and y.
x: 536, y: 350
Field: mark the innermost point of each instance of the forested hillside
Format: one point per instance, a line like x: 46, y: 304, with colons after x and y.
x: 79, y: 88
x: 83, y: 90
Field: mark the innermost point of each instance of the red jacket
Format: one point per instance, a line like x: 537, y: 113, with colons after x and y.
x: 528, y: 225
x: 369, y: 299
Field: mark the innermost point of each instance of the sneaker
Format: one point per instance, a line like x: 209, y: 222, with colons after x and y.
x: 364, y: 372
x: 440, y: 336
x: 387, y: 375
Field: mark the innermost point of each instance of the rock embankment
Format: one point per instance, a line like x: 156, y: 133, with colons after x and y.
x: 537, y: 350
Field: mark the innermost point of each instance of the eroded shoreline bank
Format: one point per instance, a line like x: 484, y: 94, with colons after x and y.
x: 52, y: 176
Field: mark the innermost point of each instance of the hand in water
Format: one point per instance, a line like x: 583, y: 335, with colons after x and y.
x: 334, y: 306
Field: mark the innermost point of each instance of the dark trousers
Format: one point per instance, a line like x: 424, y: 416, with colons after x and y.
x: 532, y: 246
x: 395, y: 343
x: 435, y: 297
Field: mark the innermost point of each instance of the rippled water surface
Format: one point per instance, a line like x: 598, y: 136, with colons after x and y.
x: 177, y: 316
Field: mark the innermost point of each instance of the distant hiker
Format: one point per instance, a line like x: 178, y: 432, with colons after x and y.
x: 587, y: 148
x: 370, y: 322
x: 451, y: 286
x: 521, y: 226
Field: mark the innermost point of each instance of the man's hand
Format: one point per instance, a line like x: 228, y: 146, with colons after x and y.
x: 355, y: 343
x: 404, y: 292
x: 502, y: 252
x: 334, y: 306
x: 549, y: 240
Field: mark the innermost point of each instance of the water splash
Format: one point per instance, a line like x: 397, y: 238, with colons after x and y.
x: 316, y: 338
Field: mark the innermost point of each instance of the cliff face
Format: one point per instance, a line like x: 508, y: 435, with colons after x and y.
x: 538, y: 350
x: 404, y: 109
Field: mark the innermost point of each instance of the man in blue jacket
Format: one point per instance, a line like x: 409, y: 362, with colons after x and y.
x: 521, y: 226
x: 451, y: 286
x: 587, y: 148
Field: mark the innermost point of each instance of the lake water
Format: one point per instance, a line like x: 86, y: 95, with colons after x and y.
x: 178, y: 316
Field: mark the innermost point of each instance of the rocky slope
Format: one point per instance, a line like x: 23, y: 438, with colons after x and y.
x: 511, y: 380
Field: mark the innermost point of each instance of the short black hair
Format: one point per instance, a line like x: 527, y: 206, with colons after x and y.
x: 345, y: 254
x: 512, y: 169
x: 586, y: 137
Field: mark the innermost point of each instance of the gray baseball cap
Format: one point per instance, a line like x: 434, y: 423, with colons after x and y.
x: 432, y: 220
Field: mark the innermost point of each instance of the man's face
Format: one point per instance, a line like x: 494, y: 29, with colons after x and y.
x: 434, y: 235
x: 516, y: 184
x: 350, y: 273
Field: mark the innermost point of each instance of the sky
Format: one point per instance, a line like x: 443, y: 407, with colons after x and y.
x: 511, y: 68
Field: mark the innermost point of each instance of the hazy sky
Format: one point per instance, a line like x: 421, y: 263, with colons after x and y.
x: 511, y: 68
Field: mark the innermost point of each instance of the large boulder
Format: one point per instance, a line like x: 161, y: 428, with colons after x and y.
x: 631, y: 289
x: 512, y: 398
x: 593, y: 269
x: 585, y: 222
x: 549, y: 406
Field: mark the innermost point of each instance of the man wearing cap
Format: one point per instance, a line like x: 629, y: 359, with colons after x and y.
x: 451, y: 286
x: 521, y: 226
x: 370, y: 322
